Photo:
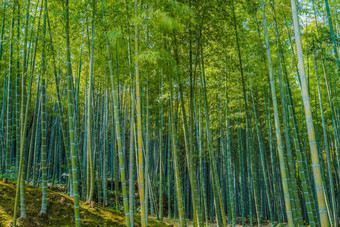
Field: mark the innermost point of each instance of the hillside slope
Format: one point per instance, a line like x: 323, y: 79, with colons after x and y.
x: 59, y: 210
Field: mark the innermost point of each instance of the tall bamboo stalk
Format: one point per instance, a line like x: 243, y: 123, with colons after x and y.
x: 179, y: 189
x: 117, y: 129
x: 70, y: 119
x: 43, y: 118
x: 90, y: 162
x: 139, y: 125
x: 283, y: 167
x: 309, y: 120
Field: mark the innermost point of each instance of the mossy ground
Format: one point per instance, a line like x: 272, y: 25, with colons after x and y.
x: 59, y: 210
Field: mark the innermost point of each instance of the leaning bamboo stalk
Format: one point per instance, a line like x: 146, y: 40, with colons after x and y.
x: 328, y: 157
x: 283, y: 167
x: 309, y: 120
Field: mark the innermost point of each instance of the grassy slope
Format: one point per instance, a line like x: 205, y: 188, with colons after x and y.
x: 60, y: 210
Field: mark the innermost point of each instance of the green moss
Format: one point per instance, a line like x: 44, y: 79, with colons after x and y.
x: 59, y: 210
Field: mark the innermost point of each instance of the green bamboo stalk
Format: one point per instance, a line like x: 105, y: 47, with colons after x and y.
x: 188, y: 151
x: 139, y: 126
x: 37, y: 144
x: 302, y: 162
x: 333, y: 37
x: 204, y: 205
x: 254, y: 169
x: 179, y: 189
x: 60, y: 109
x: 169, y: 170
x: 2, y: 126
x: 43, y: 118
x: 329, y: 167
x: 216, y: 183
x: 334, y: 122
x: 43, y: 140
x: 70, y: 120
x: 90, y: 161
x: 22, y: 117
x: 132, y: 160
x: 240, y: 169
x: 20, y: 179
x: 309, y: 120
x: 17, y: 91
x: 283, y: 167
x: 33, y: 130
x: 20, y: 187
x: 117, y: 129
x: 261, y: 148
x: 291, y: 164
x: 161, y: 156
x: 272, y: 156
x: 9, y: 101
x: 147, y: 153
x: 252, y: 191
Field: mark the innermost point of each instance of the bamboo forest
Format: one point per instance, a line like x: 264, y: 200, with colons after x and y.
x: 170, y: 113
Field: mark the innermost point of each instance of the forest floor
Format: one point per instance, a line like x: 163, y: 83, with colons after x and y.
x: 59, y: 210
